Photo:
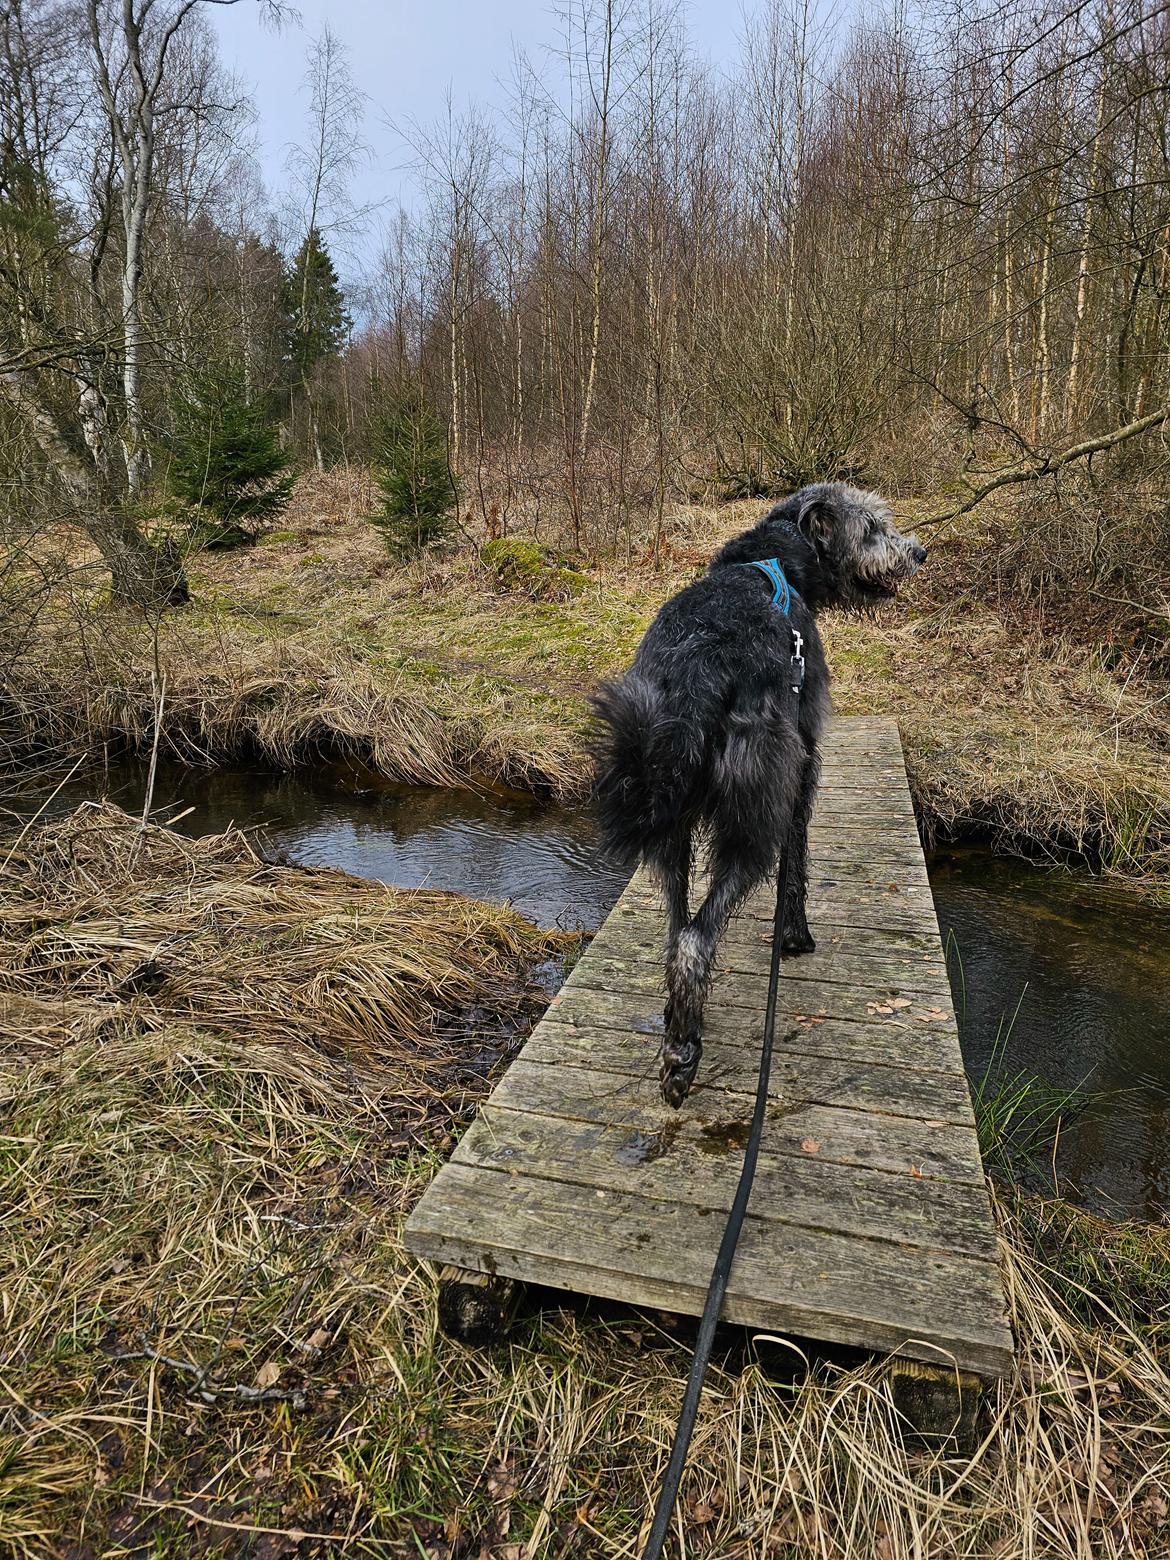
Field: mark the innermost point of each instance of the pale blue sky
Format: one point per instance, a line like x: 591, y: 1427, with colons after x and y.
x: 404, y: 57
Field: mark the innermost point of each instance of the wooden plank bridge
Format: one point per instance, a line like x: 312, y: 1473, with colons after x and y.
x: 869, y: 1221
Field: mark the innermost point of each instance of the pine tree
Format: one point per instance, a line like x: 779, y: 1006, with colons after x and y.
x: 409, y: 447
x: 318, y: 324
x: 315, y: 306
x: 227, y: 464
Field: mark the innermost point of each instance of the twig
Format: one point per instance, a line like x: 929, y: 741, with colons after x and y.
x: 1050, y: 463
x: 46, y: 803
x: 298, y: 1535
x: 246, y: 1394
x: 148, y: 799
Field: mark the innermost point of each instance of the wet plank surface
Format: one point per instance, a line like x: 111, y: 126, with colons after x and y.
x: 869, y: 1221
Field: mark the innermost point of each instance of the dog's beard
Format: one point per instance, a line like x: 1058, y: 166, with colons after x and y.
x: 882, y: 569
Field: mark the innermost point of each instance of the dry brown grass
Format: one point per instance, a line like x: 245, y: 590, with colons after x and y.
x: 222, y: 1086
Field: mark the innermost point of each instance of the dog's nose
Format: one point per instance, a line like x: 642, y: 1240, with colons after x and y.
x: 918, y: 553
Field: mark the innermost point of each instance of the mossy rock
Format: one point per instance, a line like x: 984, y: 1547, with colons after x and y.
x: 516, y: 564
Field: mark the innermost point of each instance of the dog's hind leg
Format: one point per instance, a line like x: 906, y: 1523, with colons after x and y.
x: 735, y: 871
x: 754, y: 782
x: 672, y: 865
x: 797, y: 937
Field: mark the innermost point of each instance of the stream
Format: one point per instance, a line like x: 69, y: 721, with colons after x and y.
x: 1056, y: 976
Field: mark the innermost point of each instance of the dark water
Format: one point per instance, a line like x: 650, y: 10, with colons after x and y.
x: 502, y: 846
x: 1068, y: 979
x: 1055, y: 975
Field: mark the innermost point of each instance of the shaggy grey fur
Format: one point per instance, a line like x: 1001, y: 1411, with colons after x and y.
x: 702, y: 733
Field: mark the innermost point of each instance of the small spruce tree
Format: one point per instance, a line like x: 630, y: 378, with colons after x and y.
x: 409, y: 448
x: 227, y: 465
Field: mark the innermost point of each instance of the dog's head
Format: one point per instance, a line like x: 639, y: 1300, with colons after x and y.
x: 863, y: 555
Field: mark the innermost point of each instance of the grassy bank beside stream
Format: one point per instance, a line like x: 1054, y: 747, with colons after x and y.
x: 222, y: 1086
x: 476, y: 665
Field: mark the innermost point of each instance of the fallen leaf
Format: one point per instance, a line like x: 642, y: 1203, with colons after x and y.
x: 900, y: 1002
x: 916, y: 1172
x: 502, y: 1483
x: 316, y: 1341
x: 702, y: 1513
x: 1155, y: 1506
x: 811, y: 1146
x: 268, y: 1375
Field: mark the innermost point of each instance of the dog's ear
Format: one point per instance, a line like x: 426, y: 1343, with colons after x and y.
x: 814, y: 518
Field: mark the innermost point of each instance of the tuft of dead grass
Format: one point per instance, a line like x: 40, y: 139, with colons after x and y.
x: 224, y: 1083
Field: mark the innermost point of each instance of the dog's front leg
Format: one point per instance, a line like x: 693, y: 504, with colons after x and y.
x: 797, y: 937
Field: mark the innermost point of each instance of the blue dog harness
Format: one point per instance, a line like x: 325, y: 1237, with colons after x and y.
x: 782, y: 591
x: 782, y: 594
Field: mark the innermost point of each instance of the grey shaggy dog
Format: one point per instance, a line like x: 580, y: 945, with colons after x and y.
x: 701, y: 734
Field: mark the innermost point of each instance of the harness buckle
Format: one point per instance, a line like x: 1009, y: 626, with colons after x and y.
x: 797, y: 661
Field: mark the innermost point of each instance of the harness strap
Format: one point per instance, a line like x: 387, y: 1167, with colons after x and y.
x: 782, y: 591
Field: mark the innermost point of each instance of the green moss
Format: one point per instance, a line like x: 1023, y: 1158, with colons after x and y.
x: 515, y: 564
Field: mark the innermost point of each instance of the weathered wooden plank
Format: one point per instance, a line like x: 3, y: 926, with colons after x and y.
x: 838, y: 901
x: 646, y: 1251
x: 847, y: 942
x: 745, y: 950
x: 897, y: 1144
x: 829, y: 842
x: 929, y: 1045
x: 797, y: 1075
x: 686, y: 1162
x: 747, y: 990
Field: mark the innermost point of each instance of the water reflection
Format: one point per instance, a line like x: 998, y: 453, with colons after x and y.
x: 1088, y: 969
x: 503, y: 846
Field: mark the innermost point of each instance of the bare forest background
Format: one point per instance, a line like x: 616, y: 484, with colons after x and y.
x: 927, y: 250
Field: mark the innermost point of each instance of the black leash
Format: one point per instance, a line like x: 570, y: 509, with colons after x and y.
x: 668, y: 1495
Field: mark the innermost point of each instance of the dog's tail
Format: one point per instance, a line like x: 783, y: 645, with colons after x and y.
x: 644, y: 772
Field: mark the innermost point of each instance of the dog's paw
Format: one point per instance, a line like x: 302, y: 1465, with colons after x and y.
x: 798, y: 941
x: 676, y: 1084
x: 676, y: 1073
